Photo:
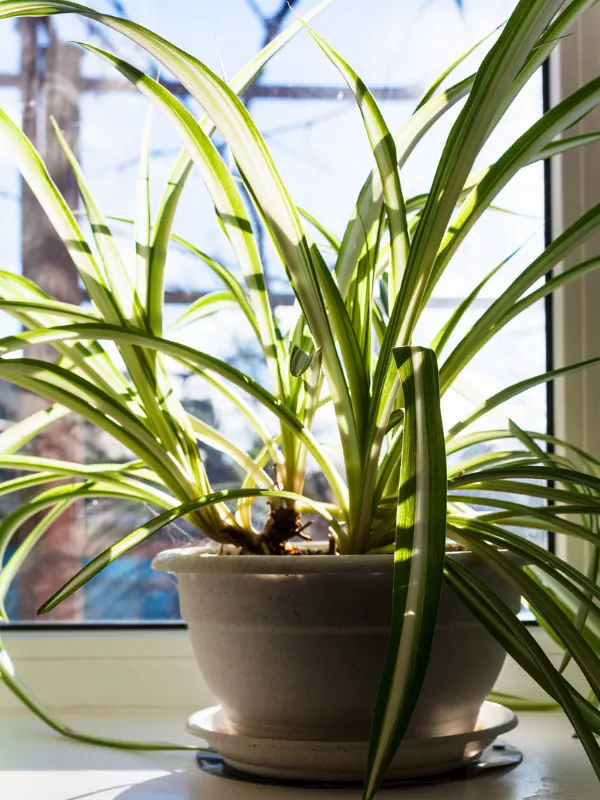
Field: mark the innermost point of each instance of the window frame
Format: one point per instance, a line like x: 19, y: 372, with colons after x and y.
x: 122, y: 666
x: 574, y: 188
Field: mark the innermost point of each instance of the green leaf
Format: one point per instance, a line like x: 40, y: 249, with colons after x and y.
x: 505, y: 68
x: 386, y: 158
x: 204, y: 307
x: 127, y: 490
x: 360, y: 300
x: 521, y: 703
x: 522, y: 152
x: 149, y: 288
x: 9, y: 676
x: 111, y: 471
x: 70, y: 390
x: 117, y: 303
x: 234, y: 287
x: 370, y: 200
x: 26, y: 482
x: 418, y: 562
x: 312, y: 388
x: 90, y: 359
x: 64, y: 310
x: 588, y: 661
x: 546, y: 473
x: 520, y: 644
x: 563, y: 145
x: 575, y: 235
x: 229, y: 204
x: 232, y: 213
x: 517, y: 388
x: 34, y: 172
x: 125, y: 304
x: 183, y: 163
x: 532, y: 554
x: 116, y: 277
x: 11, y: 568
x: 582, y: 617
x: 300, y: 361
x: 229, y: 280
x: 570, y: 605
x: 470, y: 131
x: 490, y: 484
x: 247, y: 411
x: 390, y: 463
x: 550, y: 286
x: 454, y: 66
x: 21, y: 433
x: 332, y: 240
x: 472, y: 465
x: 262, y: 180
x: 192, y: 358
x: 341, y: 324
x: 220, y: 442
x: 478, y: 437
x: 522, y: 515
x: 441, y: 340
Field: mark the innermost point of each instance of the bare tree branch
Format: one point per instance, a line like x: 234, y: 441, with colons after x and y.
x: 272, y: 25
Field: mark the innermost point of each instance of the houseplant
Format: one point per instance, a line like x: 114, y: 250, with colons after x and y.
x: 351, y: 347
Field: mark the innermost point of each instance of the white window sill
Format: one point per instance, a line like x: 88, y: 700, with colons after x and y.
x: 142, y: 685
x: 35, y: 763
x: 151, y: 668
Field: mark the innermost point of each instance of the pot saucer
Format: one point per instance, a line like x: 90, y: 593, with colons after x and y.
x: 345, y: 761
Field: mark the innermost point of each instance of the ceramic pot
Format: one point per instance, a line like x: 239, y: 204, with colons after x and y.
x: 293, y: 646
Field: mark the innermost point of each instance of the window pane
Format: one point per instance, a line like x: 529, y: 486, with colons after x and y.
x: 316, y: 136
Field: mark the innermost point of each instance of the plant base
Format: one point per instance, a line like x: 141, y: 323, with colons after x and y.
x: 498, y: 756
x: 344, y: 762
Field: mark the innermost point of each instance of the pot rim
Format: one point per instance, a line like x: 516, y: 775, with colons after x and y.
x: 201, y: 559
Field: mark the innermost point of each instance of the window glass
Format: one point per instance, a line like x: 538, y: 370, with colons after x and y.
x: 317, y: 139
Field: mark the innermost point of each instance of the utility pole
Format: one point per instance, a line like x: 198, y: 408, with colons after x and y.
x: 50, y: 88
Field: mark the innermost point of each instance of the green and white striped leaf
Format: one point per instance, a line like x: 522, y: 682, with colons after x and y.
x: 575, y: 235
x: 418, y: 561
x: 561, y: 625
x: 520, y: 644
x: 386, y: 157
x: 300, y: 361
x: 205, y: 306
x: 521, y: 153
x: 13, y: 369
x: 21, y: 433
x: 149, y: 287
x: 518, y: 388
x: 82, y: 397
x: 11, y: 568
x: 370, y: 200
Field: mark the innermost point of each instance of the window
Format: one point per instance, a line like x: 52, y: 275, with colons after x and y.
x: 313, y: 129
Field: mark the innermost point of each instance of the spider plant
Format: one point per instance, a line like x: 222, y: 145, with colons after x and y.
x: 350, y: 347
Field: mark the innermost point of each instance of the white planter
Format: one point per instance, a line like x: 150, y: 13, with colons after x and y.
x: 293, y: 646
